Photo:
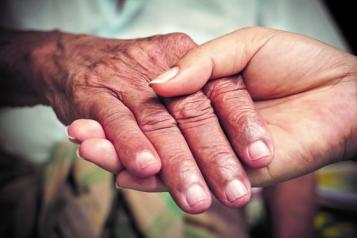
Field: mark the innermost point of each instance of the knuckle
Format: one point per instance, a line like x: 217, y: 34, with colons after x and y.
x: 183, y: 39
x: 113, y: 120
x: 219, y: 88
x: 176, y: 38
x: 246, y: 125
x: 173, y: 46
x: 177, y: 160
x: 227, y: 168
x: 196, y: 107
x: 219, y: 157
x: 185, y: 167
x: 221, y: 162
x: 154, y: 120
x: 224, y: 165
x: 180, y: 36
x: 110, y: 117
x: 239, y: 112
x: 244, y: 117
x: 186, y: 171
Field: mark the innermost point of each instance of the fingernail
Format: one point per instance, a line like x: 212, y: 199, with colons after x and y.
x: 258, y: 150
x: 195, y: 194
x: 68, y: 136
x: 235, y: 190
x: 78, y: 155
x: 166, y: 76
x: 117, y: 186
x: 145, y: 159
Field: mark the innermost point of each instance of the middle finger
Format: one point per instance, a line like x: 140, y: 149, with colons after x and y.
x: 179, y: 170
x: 213, y: 153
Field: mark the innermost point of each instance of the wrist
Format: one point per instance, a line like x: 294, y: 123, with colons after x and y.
x: 46, y: 67
x: 53, y: 64
x: 21, y: 78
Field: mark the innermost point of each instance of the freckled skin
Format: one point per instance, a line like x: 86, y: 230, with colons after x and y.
x: 83, y: 76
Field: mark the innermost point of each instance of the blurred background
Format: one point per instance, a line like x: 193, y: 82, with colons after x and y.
x: 335, y: 187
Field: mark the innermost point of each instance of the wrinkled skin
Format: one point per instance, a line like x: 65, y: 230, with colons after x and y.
x: 305, y: 90
x: 107, y: 80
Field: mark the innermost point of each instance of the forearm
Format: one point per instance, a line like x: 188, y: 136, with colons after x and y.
x: 291, y: 207
x: 20, y: 80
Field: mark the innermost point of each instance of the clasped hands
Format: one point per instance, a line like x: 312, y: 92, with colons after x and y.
x: 259, y: 106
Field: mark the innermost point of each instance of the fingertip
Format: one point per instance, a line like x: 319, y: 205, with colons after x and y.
x: 193, y: 198
x: 196, y: 200
x: 82, y: 129
x: 78, y: 154
x: 258, y: 154
x: 237, y: 193
x: 189, y: 78
x: 100, y: 152
x: 240, y: 202
x: 148, y: 184
x: 179, y: 86
x: 166, y: 90
x: 145, y: 164
x: 69, y: 134
x: 199, y: 207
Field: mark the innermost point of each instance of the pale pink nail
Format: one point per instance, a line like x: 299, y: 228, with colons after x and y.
x: 146, y: 159
x: 235, y: 190
x: 195, y: 194
x: 78, y: 155
x: 258, y: 150
x: 117, y: 186
x: 166, y: 76
x: 68, y: 136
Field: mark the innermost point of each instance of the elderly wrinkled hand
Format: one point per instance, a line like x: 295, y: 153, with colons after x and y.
x: 108, y: 80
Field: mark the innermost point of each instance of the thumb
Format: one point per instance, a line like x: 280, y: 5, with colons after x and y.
x: 221, y: 57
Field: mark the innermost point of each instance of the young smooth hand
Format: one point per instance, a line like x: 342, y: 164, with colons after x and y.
x: 305, y: 90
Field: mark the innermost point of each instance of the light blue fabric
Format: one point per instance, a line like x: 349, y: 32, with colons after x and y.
x: 85, y: 16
